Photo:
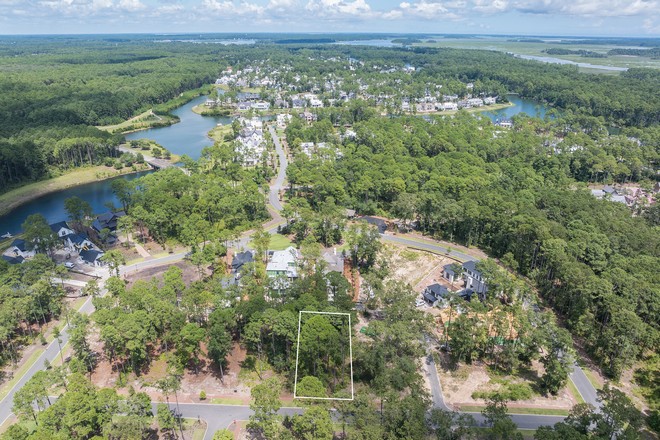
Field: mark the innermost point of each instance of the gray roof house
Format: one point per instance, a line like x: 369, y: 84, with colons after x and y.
x: 474, y: 280
x: 91, y: 257
x: 241, y: 259
x: 61, y: 229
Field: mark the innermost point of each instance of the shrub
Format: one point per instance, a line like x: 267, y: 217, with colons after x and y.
x: 202, y: 395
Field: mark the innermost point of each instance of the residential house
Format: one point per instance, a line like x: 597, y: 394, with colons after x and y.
x: 243, y: 106
x: 107, y: 220
x: 91, y: 257
x: 13, y: 260
x: 435, y: 294
x: 260, y: 105
x: 490, y: 100
x: 376, y: 221
x: 61, y: 229
x: 78, y: 242
x: 474, y: 279
x: 19, y: 248
x: 429, y: 299
x: 448, y: 273
x: 609, y: 193
x: 425, y: 107
x: 283, y: 263
x: 283, y: 119
x: 308, y: 116
x: 315, y: 103
x: 240, y: 259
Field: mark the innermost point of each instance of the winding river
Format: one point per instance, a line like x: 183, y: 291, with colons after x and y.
x: 189, y: 136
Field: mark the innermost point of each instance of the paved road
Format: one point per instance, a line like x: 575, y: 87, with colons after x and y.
x: 586, y: 390
x: 274, y: 195
x: 51, y: 353
x: 219, y: 416
x: 524, y: 421
x: 427, y: 245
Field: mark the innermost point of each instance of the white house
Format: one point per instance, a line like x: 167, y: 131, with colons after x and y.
x: 19, y: 248
x: 260, y: 105
x: 283, y: 263
x: 61, y: 229
x: 79, y: 242
x: 474, y: 280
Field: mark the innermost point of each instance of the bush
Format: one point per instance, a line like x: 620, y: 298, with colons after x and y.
x: 202, y: 395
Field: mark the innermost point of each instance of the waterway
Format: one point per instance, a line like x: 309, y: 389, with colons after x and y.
x: 520, y: 105
x: 51, y: 206
x: 554, y: 60
x: 189, y: 136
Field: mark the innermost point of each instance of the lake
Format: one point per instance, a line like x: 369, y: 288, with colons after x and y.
x: 189, y: 136
x: 520, y: 105
x: 51, y: 205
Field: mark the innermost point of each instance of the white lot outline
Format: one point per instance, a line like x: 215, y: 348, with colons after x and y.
x: 350, y: 354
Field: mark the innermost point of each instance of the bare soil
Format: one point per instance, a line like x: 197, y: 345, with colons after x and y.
x: 460, y: 381
x: 190, y: 273
x: 417, y: 268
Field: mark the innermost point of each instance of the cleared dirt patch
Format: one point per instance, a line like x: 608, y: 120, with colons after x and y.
x: 417, y: 268
x: 459, y: 382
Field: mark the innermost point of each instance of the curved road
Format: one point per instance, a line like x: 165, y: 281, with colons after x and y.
x: 220, y: 416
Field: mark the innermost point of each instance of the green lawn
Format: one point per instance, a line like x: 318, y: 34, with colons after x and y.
x: 574, y: 391
x: 199, y: 429
x: 228, y: 401
x: 536, y: 411
x: 592, y: 378
x: 528, y: 434
x: 279, y: 242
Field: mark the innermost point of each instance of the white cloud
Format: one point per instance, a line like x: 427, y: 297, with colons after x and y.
x: 229, y: 7
x: 338, y: 8
x: 434, y: 9
x: 602, y: 8
x: 131, y: 5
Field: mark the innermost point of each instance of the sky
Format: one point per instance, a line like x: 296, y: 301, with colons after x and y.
x: 519, y: 17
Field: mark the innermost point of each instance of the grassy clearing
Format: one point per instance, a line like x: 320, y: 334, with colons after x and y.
x: 140, y: 122
x: 535, y: 411
x: 228, y: 401
x: 278, y: 242
x: 198, y: 429
x: 574, y: 391
x: 528, y: 434
x: 219, y: 132
x: 592, y: 378
x: 16, y: 197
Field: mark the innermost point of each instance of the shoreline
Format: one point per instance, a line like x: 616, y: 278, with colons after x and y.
x: 81, y: 176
